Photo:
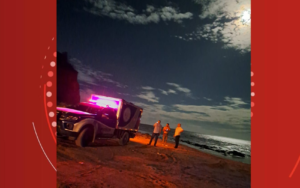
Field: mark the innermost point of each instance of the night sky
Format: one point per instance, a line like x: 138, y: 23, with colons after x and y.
x: 183, y: 61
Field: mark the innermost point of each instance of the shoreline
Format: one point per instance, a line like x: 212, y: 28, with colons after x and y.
x: 106, y: 164
x: 246, y: 159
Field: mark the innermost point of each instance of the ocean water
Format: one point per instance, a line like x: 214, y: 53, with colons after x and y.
x: 229, y: 148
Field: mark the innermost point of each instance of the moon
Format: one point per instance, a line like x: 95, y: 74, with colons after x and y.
x: 246, y: 17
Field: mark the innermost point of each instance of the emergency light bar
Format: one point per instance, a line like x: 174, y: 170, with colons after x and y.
x: 105, y: 101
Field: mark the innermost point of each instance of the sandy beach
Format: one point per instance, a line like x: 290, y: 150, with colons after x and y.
x: 106, y: 164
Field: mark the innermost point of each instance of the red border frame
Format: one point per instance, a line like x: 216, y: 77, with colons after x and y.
x: 274, y: 129
x: 27, y: 28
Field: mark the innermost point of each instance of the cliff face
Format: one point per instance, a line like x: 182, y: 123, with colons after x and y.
x: 67, y: 84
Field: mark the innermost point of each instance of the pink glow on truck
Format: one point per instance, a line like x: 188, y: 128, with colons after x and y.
x: 72, y: 111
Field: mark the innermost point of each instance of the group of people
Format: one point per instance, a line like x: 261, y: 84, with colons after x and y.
x: 158, y: 129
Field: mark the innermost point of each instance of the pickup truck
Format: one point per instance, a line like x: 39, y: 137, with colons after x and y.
x: 100, y: 117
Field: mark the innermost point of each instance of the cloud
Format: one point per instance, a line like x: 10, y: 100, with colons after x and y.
x: 223, y: 114
x: 170, y: 91
x: 121, y: 11
x: 235, y: 102
x: 148, y: 88
x: 87, y: 75
x: 163, y: 92
x: 169, y: 13
x: 229, y: 115
x: 207, y: 98
x: 230, y: 23
x: 124, y: 94
x: 184, y: 90
x: 149, y: 96
x: 179, y: 88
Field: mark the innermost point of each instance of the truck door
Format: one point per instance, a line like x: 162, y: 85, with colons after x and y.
x: 108, y: 118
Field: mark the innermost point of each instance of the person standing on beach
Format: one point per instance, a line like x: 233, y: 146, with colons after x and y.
x: 177, y: 133
x: 166, y: 130
x: 156, y: 132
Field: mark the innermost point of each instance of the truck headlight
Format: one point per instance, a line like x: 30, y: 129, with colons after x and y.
x: 72, y: 118
x: 75, y: 118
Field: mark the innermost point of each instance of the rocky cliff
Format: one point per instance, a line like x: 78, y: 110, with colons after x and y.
x: 67, y: 83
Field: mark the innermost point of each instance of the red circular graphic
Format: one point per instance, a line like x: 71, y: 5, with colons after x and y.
x: 50, y: 73
x: 49, y: 84
x: 49, y: 104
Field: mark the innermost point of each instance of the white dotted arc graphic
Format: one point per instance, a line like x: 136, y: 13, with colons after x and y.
x: 49, y: 85
x: 51, y: 114
x: 52, y: 64
x: 54, y: 125
x: 49, y: 94
x: 42, y: 147
x: 252, y: 94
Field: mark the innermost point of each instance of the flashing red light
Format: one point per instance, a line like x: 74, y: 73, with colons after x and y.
x: 105, y: 101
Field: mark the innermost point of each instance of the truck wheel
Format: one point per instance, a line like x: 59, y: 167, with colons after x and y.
x: 85, y: 137
x: 124, y: 139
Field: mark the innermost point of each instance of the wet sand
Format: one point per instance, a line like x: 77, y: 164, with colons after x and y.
x: 106, y: 164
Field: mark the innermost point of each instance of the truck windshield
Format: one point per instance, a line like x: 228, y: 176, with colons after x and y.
x: 82, y: 107
x: 108, y: 116
x: 88, y: 108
